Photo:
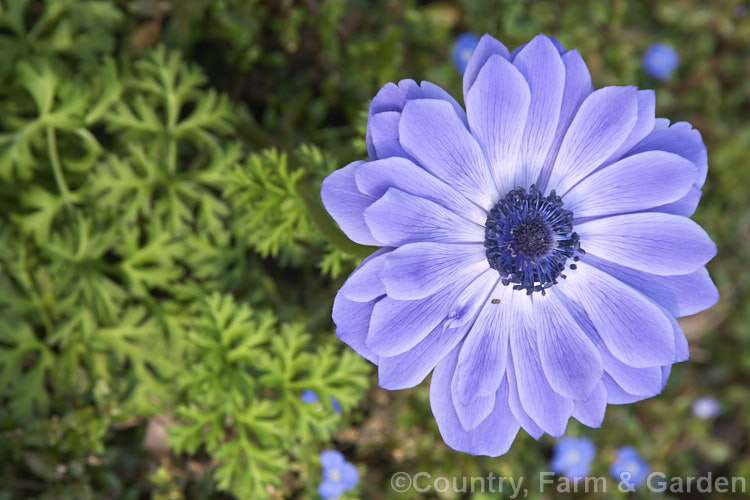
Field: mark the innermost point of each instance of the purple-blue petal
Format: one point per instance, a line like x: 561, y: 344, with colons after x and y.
x: 382, y: 136
x: 591, y: 411
x: 375, y: 178
x: 329, y: 490
x: 637, y: 381
x: 603, y: 122
x: 335, y: 404
x: 651, y: 242
x: 483, y: 356
x: 616, y: 395
x: 330, y: 459
x: 681, y: 346
x: 385, y: 113
x: 514, y: 402
x: 352, y: 321
x: 577, y: 88
x: 629, y: 468
x: 666, y: 371
x: 706, y: 407
x: 486, y: 48
x: 471, y: 412
x: 681, y: 295
x: 346, y: 204
x: 364, y: 284
x: 544, y: 405
x: 428, y: 90
x: 497, y: 107
x: 558, y: 46
x: 417, y: 270
x: 639, y: 182
x: 492, y: 437
x: 398, y: 218
x: 680, y: 138
x: 632, y: 327
x: 349, y: 476
x: 643, y: 125
x: 398, y: 325
x: 543, y: 68
x: 644, y: 382
x: 410, y: 368
x: 684, y: 206
x: 389, y: 98
x: 432, y: 133
x: 570, y: 360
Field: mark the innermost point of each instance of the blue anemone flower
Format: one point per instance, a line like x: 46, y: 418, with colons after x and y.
x: 572, y: 457
x: 339, y: 476
x: 660, y: 60
x: 629, y: 468
x: 706, y: 407
x: 463, y: 48
x: 536, y: 247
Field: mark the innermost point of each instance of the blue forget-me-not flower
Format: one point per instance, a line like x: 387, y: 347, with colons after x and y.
x: 572, y: 457
x: 463, y: 48
x: 309, y: 396
x: 339, y: 476
x: 629, y: 468
x: 660, y: 61
x: 706, y: 407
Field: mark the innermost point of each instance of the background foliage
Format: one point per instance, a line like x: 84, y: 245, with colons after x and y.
x: 166, y: 272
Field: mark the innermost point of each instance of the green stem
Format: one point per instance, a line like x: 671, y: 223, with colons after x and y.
x: 54, y: 159
x: 33, y: 289
x: 172, y: 109
x: 326, y: 225
x: 250, y: 130
x: 172, y: 155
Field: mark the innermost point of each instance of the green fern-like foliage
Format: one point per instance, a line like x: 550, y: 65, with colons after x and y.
x: 97, y: 250
x: 167, y: 269
x: 242, y: 399
x: 78, y: 31
x: 273, y: 195
x: 128, y: 202
x: 274, y: 217
x: 149, y: 268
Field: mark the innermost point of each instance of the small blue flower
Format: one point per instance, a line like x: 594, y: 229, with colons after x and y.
x: 660, y: 60
x: 629, y: 468
x: 336, y: 405
x: 572, y: 457
x: 339, y: 476
x: 535, y: 247
x: 706, y: 407
x: 309, y: 396
x: 463, y: 48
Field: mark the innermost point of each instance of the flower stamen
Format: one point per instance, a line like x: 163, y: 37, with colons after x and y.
x: 529, y: 239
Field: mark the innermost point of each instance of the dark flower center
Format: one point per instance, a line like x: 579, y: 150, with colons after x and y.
x: 533, y: 238
x: 529, y: 239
